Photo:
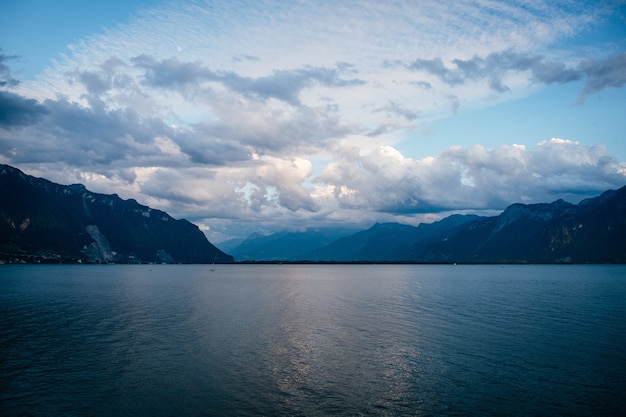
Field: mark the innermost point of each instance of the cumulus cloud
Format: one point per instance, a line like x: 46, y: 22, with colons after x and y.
x: 249, y: 191
x: 287, y: 176
x: 470, y: 178
x: 270, y: 127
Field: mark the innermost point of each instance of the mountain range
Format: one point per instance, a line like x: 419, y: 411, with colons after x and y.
x: 284, y: 245
x: 593, y: 231
x: 41, y: 221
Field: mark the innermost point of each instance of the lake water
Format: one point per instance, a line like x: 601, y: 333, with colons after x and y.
x: 312, y: 340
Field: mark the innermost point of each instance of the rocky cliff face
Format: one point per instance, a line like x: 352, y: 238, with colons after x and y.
x: 44, y: 221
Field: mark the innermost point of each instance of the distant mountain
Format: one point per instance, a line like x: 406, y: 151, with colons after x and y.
x: 227, y: 246
x: 47, y: 222
x: 44, y: 221
x: 284, y: 245
x: 593, y: 231
x: 390, y: 242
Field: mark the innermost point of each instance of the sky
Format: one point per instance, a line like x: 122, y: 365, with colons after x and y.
x: 261, y: 116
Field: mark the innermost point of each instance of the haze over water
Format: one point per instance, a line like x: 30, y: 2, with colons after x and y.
x: 166, y: 340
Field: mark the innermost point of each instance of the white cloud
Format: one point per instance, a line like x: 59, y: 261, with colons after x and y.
x: 470, y: 178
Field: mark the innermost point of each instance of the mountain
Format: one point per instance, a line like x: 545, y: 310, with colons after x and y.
x: 589, y: 232
x: 44, y: 221
x: 592, y: 231
x: 227, y: 246
x: 41, y: 221
x: 285, y: 245
x: 390, y: 242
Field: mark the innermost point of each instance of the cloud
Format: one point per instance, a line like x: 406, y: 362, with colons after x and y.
x: 250, y: 191
x: 287, y: 176
x: 17, y: 111
x: 110, y: 74
x: 212, y: 113
x: 284, y: 85
x: 269, y: 127
x: 470, y: 178
x: 6, y: 79
x: 170, y: 73
x: 244, y: 58
x: 400, y: 110
x: 607, y: 73
x: 495, y: 66
x: 107, y: 126
x: 80, y: 136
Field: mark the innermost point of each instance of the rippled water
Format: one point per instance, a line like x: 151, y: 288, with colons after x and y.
x: 157, y: 340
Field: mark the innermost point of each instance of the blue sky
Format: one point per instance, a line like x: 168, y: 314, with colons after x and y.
x: 261, y: 116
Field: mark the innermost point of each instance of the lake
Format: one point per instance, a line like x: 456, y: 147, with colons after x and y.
x: 312, y: 340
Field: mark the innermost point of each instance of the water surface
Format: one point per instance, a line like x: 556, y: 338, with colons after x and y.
x: 171, y: 340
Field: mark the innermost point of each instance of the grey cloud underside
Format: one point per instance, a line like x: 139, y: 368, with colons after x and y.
x: 274, y: 133
x: 79, y: 136
x: 76, y: 134
x: 229, y: 136
x: 16, y: 111
x: 65, y: 131
x: 606, y: 73
x: 284, y: 85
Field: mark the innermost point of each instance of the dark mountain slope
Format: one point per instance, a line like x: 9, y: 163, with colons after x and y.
x: 43, y: 220
x: 286, y: 246
x: 390, y: 242
x: 383, y: 241
x: 592, y: 231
